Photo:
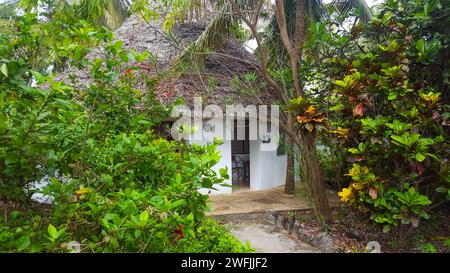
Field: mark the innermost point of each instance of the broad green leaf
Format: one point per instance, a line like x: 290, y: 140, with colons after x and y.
x: 52, y: 231
x: 337, y: 107
x: 420, y: 45
x: 4, y: 69
x: 224, y: 172
x: 392, y: 96
x: 108, y: 180
x: 420, y: 157
x: 38, y: 77
x: 190, y: 217
x: 178, y: 178
x: 123, y: 56
x: 118, y: 45
x: 60, y: 232
x: 3, y: 124
x: 22, y: 243
x: 191, y: 233
x: 143, y: 217
x: 207, y: 182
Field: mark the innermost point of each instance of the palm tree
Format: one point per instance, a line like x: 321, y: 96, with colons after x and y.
x: 110, y: 13
x: 220, y: 25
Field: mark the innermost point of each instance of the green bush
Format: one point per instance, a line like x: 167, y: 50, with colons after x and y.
x: 116, y: 186
x: 385, y: 83
x: 331, y: 157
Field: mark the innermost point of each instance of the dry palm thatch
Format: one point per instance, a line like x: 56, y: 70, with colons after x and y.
x: 221, y: 80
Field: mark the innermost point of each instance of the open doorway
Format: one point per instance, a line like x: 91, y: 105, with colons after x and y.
x: 240, y: 158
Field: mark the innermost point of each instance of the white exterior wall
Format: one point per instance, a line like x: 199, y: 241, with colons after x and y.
x: 267, y: 170
x: 225, y: 161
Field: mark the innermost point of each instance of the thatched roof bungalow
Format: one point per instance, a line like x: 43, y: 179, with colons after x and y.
x: 250, y: 165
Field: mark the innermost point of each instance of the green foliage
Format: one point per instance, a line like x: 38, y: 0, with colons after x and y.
x: 109, y: 13
x: 171, y: 9
x: 428, y: 248
x: 115, y: 185
x: 214, y: 238
x: 331, y: 157
x: 7, y: 11
x: 385, y: 82
x: 237, y: 31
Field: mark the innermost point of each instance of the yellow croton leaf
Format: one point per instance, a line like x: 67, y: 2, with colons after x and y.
x: 430, y: 97
x: 341, y: 132
x: 357, y: 186
x: 319, y: 120
x: 357, y: 170
x: 345, y: 194
x: 82, y: 191
x: 311, y: 110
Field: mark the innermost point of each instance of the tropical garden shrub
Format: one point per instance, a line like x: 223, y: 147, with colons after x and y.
x: 113, y: 183
x: 388, y: 78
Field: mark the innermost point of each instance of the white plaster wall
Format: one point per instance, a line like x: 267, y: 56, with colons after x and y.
x: 225, y: 155
x: 225, y: 160
x: 267, y: 170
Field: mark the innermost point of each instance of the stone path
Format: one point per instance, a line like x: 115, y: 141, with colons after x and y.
x: 268, y: 238
x: 244, y: 212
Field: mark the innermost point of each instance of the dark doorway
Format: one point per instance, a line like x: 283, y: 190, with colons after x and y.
x: 240, y: 157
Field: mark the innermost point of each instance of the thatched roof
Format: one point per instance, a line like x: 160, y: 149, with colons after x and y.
x: 140, y: 35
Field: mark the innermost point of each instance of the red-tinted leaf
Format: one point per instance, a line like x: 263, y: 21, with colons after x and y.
x: 356, y: 159
x: 436, y: 115
x: 373, y: 193
x: 301, y: 119
x: 420, y: 169
x: 359, y: 110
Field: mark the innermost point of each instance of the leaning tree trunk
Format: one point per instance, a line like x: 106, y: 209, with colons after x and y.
x: 289, y: 186
x: 311, y: 174
x: 116, y: 14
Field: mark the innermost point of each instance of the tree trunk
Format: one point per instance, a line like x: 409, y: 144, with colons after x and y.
x: 311, y: 174
x: 306, y: 140
x: 116, y: 14
x: 291, y: 49
x: 289, y: 186
x: 310, y: 162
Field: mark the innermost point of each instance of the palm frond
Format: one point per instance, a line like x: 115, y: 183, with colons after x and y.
x: 214, y: 34
x: 346, y: 6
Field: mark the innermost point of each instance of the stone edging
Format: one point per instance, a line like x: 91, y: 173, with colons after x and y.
x: 323, y: 241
